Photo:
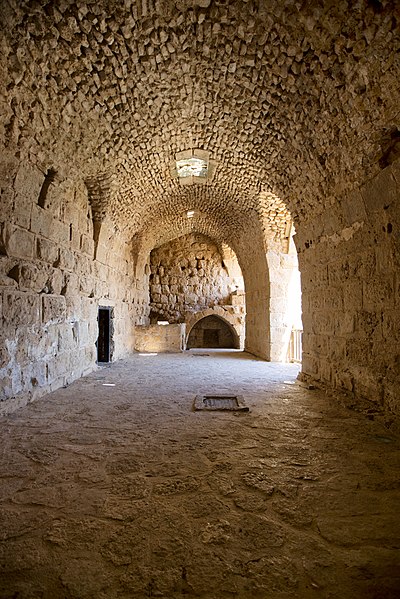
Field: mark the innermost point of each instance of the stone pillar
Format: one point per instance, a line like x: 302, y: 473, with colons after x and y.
x: 285, y: 301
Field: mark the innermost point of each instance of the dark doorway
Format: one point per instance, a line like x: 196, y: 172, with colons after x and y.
x: 103, y: 341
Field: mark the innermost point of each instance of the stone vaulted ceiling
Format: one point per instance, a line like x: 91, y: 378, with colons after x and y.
x: 293, y: 100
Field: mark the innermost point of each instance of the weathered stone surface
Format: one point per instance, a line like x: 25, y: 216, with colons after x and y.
x: 19, y: 242
x: 43, y: 273
x: 53, y: 308
x: 21, y: 308
x: 160, y: 338
x: 117, y: 475
x: 296, y: 108
x: 192, y: 276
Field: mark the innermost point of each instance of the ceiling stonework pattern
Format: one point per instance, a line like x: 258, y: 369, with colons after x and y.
x: 290, y: 99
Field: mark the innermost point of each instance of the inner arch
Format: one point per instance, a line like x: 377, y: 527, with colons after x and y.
x: 212, y: 332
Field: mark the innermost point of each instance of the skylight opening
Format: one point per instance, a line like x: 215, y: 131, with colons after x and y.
x: 192, y: 167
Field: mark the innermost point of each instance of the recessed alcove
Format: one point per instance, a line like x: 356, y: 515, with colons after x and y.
x: 212, y: 332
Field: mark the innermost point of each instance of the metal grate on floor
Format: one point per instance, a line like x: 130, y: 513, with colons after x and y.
x: 232, y: 403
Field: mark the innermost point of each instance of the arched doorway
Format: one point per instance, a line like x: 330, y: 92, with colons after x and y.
x: 212, y: 332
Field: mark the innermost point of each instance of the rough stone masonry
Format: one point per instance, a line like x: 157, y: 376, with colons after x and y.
x: 296, y: 105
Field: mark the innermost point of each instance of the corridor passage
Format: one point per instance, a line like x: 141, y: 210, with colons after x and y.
x: 115, y: 488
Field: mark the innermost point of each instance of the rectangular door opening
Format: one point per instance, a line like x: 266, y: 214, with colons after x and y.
x: 104, y: 338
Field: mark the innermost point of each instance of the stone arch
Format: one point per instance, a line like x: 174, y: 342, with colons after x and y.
x: 222, y: 313
x: 248, y: 244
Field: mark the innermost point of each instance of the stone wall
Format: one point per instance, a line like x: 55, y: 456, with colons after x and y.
x: 187, y: 275
x: 251, y: 248
x: 293, y: 101
x: 350, y: 263
x: 51, y: 286
x: 160, y: 338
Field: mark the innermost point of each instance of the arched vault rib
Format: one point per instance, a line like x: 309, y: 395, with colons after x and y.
x: 248, y: 244
x: 131, y: 212
x: 290, y: 96
x: 130, y: 208
x: 161, y: 229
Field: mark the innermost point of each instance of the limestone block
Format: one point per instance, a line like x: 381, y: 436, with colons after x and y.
x: 379, y: 292
x: 380, y: 192
x: 4, y: 352
x: 30, y: 276
x: 345, y: 323
x: 237, y: 300
x: 55, y: 281
x: 358, y: 351
x: 27, y: 185
x: 160, y: 338
x: 366, y: 383
x: 19, y: 242
x: 21, y: 308
x: 6, y: 281
x: 42, y: 222
x: 88, y: 309
x: 191, y: 298
x: 6, y: 390
x: 352, y: 295
x: 369, y: 324
x: 324, y: 323
x: 47, y: 250
x: 47, y: 341
x: 70, y: 284
x: 75, y: 239
x: 334, y: 300
x: 395, y: 169
x: 60, y: 232
x: 53, y: 308
x: 343, y: 380
x: 353, y: 208
x: 309, y: 364
x: 27, y: 346
x: 87, y: 245
x: 34, y: 375
x: 16, y: 379
x: 3, y: 236
x: 67, y: 338
x: 66, y: 259
x: 57, y: 367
